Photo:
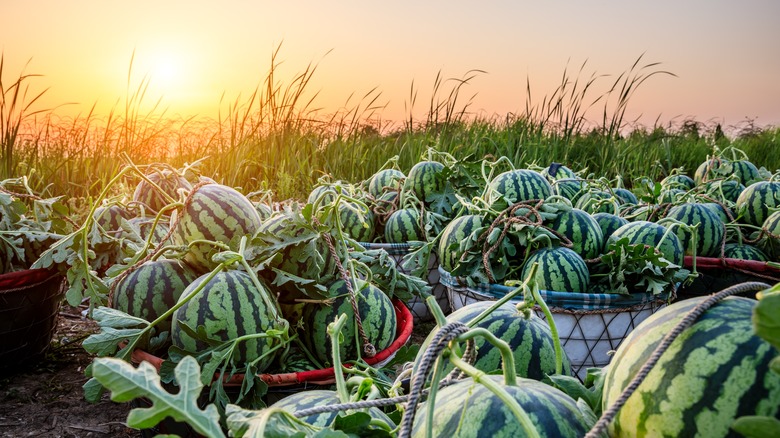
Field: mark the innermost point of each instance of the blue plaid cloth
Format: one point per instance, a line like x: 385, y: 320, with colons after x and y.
x: 391, y: 248
x: 566, y: 300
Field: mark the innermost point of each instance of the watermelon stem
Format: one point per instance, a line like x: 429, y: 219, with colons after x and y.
x: 507, y: 357
x: 334, y: 331
x: 511, y: 403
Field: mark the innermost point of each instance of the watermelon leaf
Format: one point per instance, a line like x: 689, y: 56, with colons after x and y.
x: 127, y: 383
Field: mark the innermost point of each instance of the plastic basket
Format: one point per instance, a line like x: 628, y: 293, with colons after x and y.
x: 29, y: 307
x: 324, y: 376
x: 417, y: 306
x: 589, y: 325
x: 716, y: 274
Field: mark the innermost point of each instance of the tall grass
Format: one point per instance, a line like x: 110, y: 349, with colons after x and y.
x: 276, y: 137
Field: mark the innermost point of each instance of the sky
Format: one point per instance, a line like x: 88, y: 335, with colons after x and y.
x: 200, y: 56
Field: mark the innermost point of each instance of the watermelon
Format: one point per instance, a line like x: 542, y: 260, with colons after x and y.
x: 216, y: 213
x: 424, y: 179
x: 385, y: 179
x: 569, y: 188
x: 725, y: 214
x: 356, y: 223
x: 515, y: 186
x: 723, y: 190
x: 556, y: 171
x: 746, y: 172
x: 109, y: 218
x: 530, y: 339
x: 376, y: 312
x: 470, y: 409
x: 404, y: 226
x: 744, y: 251
x: 755, y: 201
x: 319, y: 397
x: 771, y: 230
x: 597, y: 201
x: 708, y: 169
x: 264, y: 210
x: 582, y: 230
x: 145, y: 227
x: 671, y: 196
x: 560, y: 269
x: 678, y: 181
x: 710, y: 232
x: 625, y: 196
x: 230, y: 305
x: 169, y: 182
x: 325, y: 193
x: 716, y: 371
x: 651, y: 234
x: 608, y: 223
x: 152, y: 289
x: 453, y: 234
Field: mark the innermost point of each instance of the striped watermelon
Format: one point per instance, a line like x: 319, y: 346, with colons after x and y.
x: 453, y: 234
x: 755, y: 201
x: 597, y: 201
x: 152, y: 289
x: 530, y: 339
x: 376, y: 312
x: 715, y: 371
x: 745, y: 171
x: 109, y: 218
x: 771, y: 230
x: 319, y: 397
x: 608, y: 223
x: 709, y: 169
x: 216, y: 213
x: 556, y: 171
x: 744, y: 251
x: 671, y: 196
x: 723, y: 190
x: 385, y: 179
x: 515, y: 186
x: 230, y: 305
x: 582, y: 230
x: 642, y: 212
x: 560, y: 269
x: 719, y: 209
x: 264, y: 210
x: 709, y: 234
x: 470, y: 409
x: 145, y: 227
x: 651, y: 234
x: 357, y: 223
x: 325, y: 193
x: 678, y: 181
x: 404, y: 226
x: 425, y: 178
x: 169, y: 182
x: 569, y: 188
x: 625, y: 196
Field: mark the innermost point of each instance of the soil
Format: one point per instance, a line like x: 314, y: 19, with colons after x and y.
x: 45, y: 399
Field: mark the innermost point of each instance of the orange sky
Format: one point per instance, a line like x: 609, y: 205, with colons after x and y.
x: 724, y: 53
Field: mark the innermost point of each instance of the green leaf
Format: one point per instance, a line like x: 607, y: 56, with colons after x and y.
x: 766, y: 316
x: 267, y: 423
x: 756, y: 426
x: 127, y: 383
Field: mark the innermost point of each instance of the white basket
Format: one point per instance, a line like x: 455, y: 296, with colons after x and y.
x: 590, y: 326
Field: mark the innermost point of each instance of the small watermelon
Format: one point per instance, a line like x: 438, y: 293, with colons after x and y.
x: 744, y: 251
x: 560, y: 269
x: 385, y: 180
x: 320, y: 397
x: 515, y: 186
x: 453, y: 234
x: 710, y: 231
x: 424, y: 179
x: 170, y: 183
x: 755, y: 201
x: 608, y: 223
x: 651, y: 234
x: 582, y: 230
x: 404, y: 226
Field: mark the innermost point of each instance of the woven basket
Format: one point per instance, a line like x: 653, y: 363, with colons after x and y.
x: 417, y: 306
x: 29, y: 306
x: 589, y: 325
x: 716, y: 274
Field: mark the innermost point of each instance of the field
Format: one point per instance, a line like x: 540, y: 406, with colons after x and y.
x: 258, y: 169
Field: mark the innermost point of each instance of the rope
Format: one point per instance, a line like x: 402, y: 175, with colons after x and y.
x: 443, y: 337
x: 606, y: 418
x: 368, y: 347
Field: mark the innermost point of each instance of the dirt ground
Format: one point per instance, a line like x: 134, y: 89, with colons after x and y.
x: 46, y: 399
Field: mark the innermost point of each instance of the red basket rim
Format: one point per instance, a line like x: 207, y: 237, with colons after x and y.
x: 322, y: 376
x: 737, y: 264
x: 27, y: 277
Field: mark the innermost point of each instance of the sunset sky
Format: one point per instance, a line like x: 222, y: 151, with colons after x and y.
x: 724, y: 54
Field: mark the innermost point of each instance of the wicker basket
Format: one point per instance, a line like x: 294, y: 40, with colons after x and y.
x: 589, y: 325
x: 29, y: 306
